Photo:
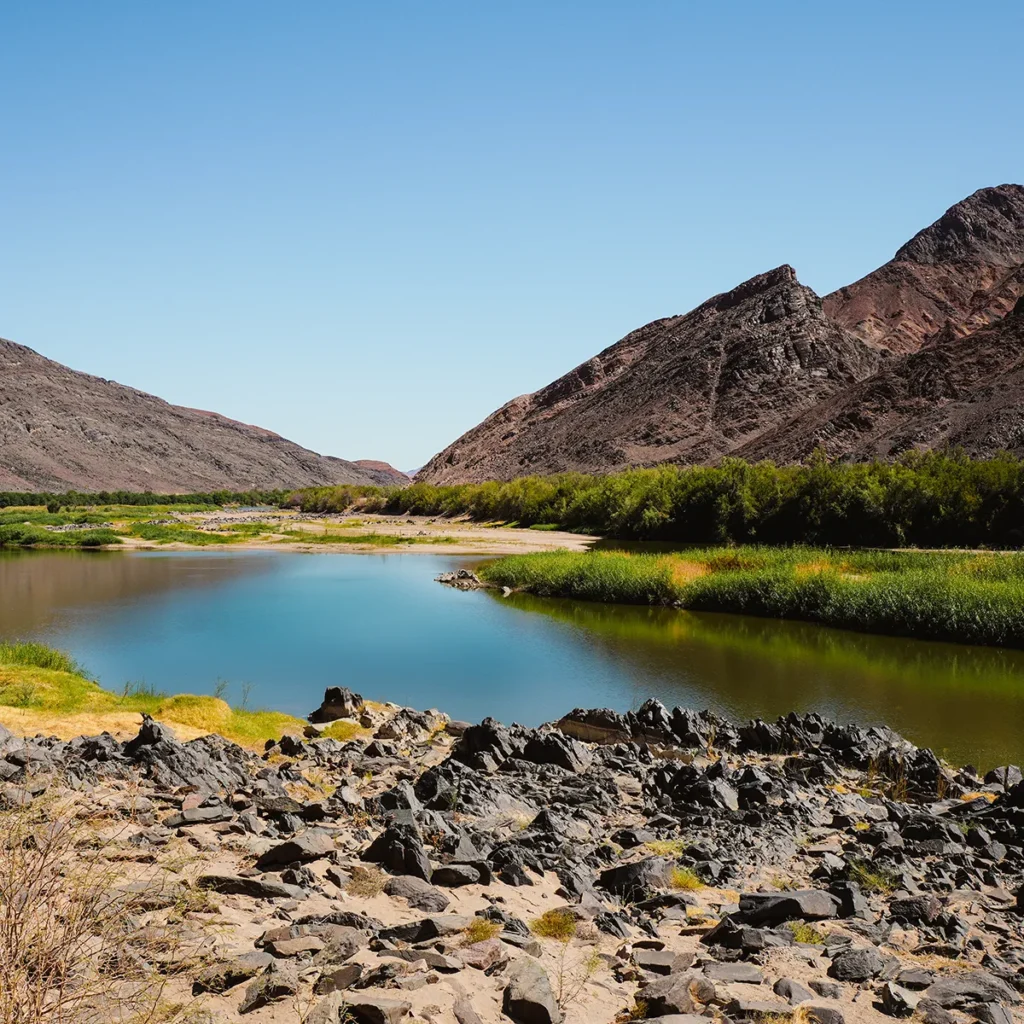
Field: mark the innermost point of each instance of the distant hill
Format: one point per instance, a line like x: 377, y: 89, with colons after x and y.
x: 919, y: 353
x: 387, y: 472
x: 61, y: 429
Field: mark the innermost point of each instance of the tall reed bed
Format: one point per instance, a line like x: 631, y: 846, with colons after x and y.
x: 964, y: 598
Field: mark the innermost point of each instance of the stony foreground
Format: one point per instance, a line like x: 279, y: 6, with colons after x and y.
x: 666, y: 866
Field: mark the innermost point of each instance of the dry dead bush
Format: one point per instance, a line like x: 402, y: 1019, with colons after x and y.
x: 70, y: 948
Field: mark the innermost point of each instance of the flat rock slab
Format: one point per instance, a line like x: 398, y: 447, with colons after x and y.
x: 256, y: 888
x: 310, y: 845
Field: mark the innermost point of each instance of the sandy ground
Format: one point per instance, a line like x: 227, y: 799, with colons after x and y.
x: 426, y: 535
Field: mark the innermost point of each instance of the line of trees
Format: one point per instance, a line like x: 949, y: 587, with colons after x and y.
x: 933, y: 499
x: 72, y: 499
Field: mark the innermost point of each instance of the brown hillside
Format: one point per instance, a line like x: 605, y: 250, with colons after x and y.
x: 62, y: 429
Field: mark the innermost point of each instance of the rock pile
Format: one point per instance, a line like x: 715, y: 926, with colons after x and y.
x: 660, y: 865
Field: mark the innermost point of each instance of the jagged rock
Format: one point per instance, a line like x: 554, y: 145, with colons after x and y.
x: 528, y: 998
x: 426, y: 928
x: 313, y: 844
x: 399, y: 849
x: 554, y: 748
x: 338, y: 702
x: 219, y: 977
x: 278, y: 981
x: 419, y: 894
x: 257, y: 888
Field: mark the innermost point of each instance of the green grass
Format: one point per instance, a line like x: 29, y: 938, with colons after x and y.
x: 181, y: 534
x: 873, y: 879
x: 45, y: 685
x: 15, y: 536
x: 958, y: 597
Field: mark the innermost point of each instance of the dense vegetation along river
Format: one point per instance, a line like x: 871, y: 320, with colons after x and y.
x: 278, y: 627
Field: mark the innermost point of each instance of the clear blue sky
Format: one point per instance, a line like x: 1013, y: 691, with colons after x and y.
x: 367, y: 225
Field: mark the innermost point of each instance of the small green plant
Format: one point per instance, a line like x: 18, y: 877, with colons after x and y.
x: 479, y: 930
x: 685, y: 879
x: 873, y: 878
x: 666, y: 847
x: 558, y: 924
x: 803, y: 932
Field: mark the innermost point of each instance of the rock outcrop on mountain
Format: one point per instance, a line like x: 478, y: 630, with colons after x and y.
x: 923, y: 352
x: 61, y: 429
x: 962, y: 273
x: 958, y: 392
x: 386, y: 472
x: 688, y: 388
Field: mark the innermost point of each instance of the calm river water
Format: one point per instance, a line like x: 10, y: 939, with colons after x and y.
x: 278, y: 627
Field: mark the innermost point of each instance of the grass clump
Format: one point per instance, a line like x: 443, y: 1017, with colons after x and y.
x: 366, y: 882
x: 873, y: 878
x: 805, y: 933
x: 39, y: 656
x: 479, y: 930
x: 666, y: 847
x: 31, y: 536
x: 164, y: 533
x: 558, y: 924
x: 685, y: 879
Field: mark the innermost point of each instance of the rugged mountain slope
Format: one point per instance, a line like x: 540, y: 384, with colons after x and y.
x: 963, y: 272
x: 63, y: 429
x: 688, y: 388
x: 964, y: 392
x: 768, y: 370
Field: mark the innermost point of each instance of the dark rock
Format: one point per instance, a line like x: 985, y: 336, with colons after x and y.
x: 825, y: 1014
x: 556, y: 748
x: 278, y: 981
x: 337, y: 978
x: 219, y: 977
x: 677, y: 993
x: 857, y: 965
x: 772, y: 909
x: 454, y: 875
x: 898, y: 1001
x: 528, y: 998
x: 634, y: 881
x: 826, y: 989
x: 399, y: 849
x: 792, y: 991
x: 967, y: 989
x: 338, y: 702
x: 256, y: 888
x: 367, y: 1009
x: 419, y: 894
x: 313, y: 844
x: 734, y: 973
x: 662, y: 961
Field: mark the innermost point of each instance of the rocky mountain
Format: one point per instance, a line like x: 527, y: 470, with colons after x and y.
x: 958, y: 392
x: 922, y: 352
x: 386, y: 472
x: 688, y: 388
x: 962, y: 273
x: 62, y: 429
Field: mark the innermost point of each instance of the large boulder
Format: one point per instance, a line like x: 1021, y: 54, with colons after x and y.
x: 338, y: 702
x: 770, y: 909
x: 399, y: 850
x: 528, y: 997
x: 313, y: 844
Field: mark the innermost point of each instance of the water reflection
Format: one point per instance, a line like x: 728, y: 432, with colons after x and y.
x: 965, y: 702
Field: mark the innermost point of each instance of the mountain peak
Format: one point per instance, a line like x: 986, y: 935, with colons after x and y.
x: 986, y: 227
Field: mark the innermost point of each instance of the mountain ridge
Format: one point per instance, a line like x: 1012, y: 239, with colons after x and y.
x: 66, y: 429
